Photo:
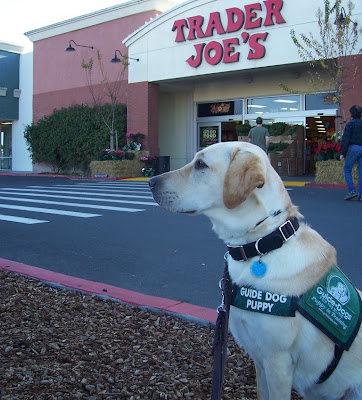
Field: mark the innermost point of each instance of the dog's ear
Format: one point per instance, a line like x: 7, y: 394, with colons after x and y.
x: 245, y: 173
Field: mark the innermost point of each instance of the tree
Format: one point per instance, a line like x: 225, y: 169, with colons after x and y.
x: 106, y: 92
x: 328, y: 54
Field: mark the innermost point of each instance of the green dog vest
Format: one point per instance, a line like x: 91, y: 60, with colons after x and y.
x: 333, y: 305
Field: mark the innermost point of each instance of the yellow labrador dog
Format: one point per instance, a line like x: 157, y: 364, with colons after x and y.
x: 274, y: 259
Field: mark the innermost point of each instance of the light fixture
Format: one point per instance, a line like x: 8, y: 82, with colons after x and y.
x: 118, y: 60
x: 285, y: 101
x: 71, y: 48
x: 342, y: 18
x: 255, y: 106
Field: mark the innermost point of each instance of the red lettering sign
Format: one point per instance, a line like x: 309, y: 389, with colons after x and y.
x: 273, y: 8
x: 251, y: 20
x: 235, y: 19
x: 214, y: 23
x: 257, y: 50
x: 253, y: 16
x: 195, y: 27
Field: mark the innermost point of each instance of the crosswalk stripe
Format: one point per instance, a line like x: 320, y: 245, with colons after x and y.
x: 50, y: 211
x: 121, y: 183
x: 98, y: 207
x: 98, y: 189
x: 28, y: 221
x: 145, y: 203
x: 84, y: 193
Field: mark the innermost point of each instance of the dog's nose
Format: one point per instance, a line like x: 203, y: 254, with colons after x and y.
x: 153, y: 181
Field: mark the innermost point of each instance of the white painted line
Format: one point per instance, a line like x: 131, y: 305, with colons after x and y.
x: 97, y: 189
x: 50, y: 211
x: 72, y: 192
x: 61, y: 203
x: 120, y: 183
x: 20, y: 220
x: 94, y: 185
x: 143, y: 203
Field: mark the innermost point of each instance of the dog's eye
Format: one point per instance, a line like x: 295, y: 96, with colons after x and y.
x: 199, y: 164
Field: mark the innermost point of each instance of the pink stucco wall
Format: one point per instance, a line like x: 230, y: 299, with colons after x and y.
x: 60, y: 80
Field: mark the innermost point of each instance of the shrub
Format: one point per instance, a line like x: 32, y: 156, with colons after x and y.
x: 70, y: 138
x: 275, y: 147
x: 276, y: 129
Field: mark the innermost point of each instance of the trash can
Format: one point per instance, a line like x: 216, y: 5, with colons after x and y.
x: 163, y: 164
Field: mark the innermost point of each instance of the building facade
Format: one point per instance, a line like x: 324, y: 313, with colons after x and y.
x: 15, y: 106
x: 199, y: 71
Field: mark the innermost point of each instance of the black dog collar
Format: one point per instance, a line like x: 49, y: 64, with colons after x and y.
x: 264, y: 245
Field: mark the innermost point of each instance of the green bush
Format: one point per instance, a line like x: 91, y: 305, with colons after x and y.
x: 70, y: 138
x: 243, y: 129
x: 274, y: 147
x: 276, y: 129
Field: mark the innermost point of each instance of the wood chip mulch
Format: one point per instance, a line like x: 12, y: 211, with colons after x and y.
x: 57, y: 344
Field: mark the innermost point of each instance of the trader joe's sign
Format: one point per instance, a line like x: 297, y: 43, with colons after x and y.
x: 239, y: 20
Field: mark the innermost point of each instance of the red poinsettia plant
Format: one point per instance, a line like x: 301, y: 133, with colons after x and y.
x: 149, y: 160
x: 326, y: 151
x: 109, y: 154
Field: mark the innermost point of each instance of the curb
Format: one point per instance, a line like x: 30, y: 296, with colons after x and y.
x: 185, y: 310
x: 140, y: 179
x: 74, y: 177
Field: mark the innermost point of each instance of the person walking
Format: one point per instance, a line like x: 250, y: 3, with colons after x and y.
x: 259, y: 135
x: 351, y: 151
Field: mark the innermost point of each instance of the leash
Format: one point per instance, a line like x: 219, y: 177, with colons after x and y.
x: 221, y: 335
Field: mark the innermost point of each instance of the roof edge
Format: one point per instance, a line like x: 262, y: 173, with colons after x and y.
x: 97, y: 17
x: 11, y: 47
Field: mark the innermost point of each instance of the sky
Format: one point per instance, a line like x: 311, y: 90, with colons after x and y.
x: 19, y: 16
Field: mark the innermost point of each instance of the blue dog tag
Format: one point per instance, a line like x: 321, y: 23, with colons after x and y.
x: 258, y: 269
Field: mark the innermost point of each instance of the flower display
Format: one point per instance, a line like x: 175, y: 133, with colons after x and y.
x: 151, y: 162
x: 133, y: 141
x: 109, y: 154
x: 325, y: 151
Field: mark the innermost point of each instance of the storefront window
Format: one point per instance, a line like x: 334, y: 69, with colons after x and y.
x: 320, y: 101
x: 220, y: 108
x: 265, y: 105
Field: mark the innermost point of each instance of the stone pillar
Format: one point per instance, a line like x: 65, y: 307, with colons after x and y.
x: 142, y: 113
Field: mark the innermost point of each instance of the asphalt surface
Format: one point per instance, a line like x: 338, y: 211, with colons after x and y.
x: 147, y: 250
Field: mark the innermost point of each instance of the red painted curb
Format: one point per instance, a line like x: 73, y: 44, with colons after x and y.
x: 124, y: 295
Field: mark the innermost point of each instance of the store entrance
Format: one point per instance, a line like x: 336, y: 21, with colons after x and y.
x: 322, y: 140
x: 5, y: 146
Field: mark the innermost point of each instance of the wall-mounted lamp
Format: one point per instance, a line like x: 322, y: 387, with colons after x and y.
x: 118, y: 60
x: 70, y: 48
x: 342, y: 18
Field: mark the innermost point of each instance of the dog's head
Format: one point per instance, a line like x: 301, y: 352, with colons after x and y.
x: 222, y: 176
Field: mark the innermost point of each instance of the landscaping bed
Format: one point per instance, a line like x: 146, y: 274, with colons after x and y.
x: 57, y: 344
